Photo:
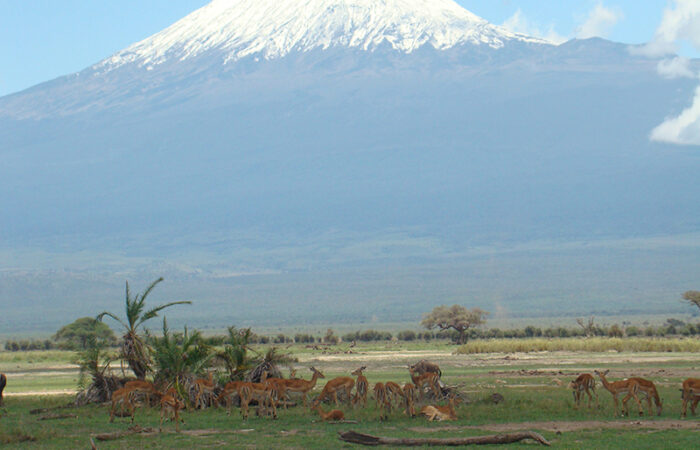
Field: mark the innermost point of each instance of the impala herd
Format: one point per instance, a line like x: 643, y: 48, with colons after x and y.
x: 269, y: 393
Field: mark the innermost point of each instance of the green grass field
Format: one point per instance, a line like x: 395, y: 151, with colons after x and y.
x: 533, y: 385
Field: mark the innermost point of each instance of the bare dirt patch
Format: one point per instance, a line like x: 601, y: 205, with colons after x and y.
x: 574, y: 426
x: 40, y: 393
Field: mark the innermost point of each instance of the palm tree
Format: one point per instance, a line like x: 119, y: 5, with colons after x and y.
x: 134, y: 349
x: 235, y: 352
x: 94, y: 362
x: 178, y: 358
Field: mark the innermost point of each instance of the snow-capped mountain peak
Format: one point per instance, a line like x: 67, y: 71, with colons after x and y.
x: 274, y: 28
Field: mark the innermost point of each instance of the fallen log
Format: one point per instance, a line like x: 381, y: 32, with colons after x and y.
x: 120, y: 434
x: 366, y: 439
x: 58, y: 416
x: 45, y: 410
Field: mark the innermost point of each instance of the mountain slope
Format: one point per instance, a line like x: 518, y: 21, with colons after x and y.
x: 339, y: 150
x: 275, y: 28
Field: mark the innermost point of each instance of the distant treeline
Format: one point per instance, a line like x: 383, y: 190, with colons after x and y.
x: 672, y: 328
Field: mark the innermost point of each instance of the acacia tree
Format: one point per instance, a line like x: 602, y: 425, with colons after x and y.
x: 134, y: 349
x: 77, y: 335
x: 456, y: 317
x: 692, y: 297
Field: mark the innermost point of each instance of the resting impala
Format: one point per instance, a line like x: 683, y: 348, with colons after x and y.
x: 303, y: 386
x: 122, y: 397
x: 690, y: 392
x: 361, y: 387
x: 429, y: 379
x: 170, y: 406
x: 648, y: 388
x: 383, y: 404
x: 434, y: 412
x: 584, y: 383
x: 3, y: 383
x: 143, y: 387
x: 203, y: 386
x: 616, y: 388
x: 334, y: 386
x: 335, y: 414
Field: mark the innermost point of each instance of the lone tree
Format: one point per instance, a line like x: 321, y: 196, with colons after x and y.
x: 692, y: 297
x: 77, y: 335
x: 456, y: 317
x: 134, y: 349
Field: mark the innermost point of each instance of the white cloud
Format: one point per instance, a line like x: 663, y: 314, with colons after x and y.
x: 518, y: 23
x: 677, y: 67
x: 680, y: 22
x: 599, y: 22
x: 684, y: 129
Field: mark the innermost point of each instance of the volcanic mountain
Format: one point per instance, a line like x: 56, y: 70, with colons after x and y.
x: 303, y: 136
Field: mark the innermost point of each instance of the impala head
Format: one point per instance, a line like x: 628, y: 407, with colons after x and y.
x: 359, y: 371
x: 316, y: 372
x: 601, y: 374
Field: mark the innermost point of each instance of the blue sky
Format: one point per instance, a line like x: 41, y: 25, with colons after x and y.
x: 43, y: 39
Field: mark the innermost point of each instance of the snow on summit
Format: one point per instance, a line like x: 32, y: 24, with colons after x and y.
x: 274, y: 28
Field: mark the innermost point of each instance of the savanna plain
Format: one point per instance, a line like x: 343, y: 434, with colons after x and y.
x: 38, y: 410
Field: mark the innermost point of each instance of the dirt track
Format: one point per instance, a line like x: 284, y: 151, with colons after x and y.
x: 575, y: 426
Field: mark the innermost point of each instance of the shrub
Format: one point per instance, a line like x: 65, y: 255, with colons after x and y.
x: 406, y: 335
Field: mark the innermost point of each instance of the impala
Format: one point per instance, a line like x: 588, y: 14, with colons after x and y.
x: 142, y: 387
x: 122, y: 397
x: 203, y: 386
x: 690, y: 391
x: 434, y: 412
x: 648, y: 388
x: 361, y: 387
x: 230, y: 388
x: 303, y: 386
x: 170, y: 406
x: 429, y: 379
x: 277, y: 386
x: 260, y: 392
x: 3, y: 383
x: 334, y: 386
x: 616, y: 388
x: 335, y: 414
x: 383, y: 405
x: 584, y: 383
x: 394, y: 392
x: 409, y: 395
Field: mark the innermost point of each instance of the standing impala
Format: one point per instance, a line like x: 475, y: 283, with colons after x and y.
x: 409, y: 395
x: 428, y: 379
x: 361, y: 387
x: 334, y: 386
x: 303, y: 386
x: 204, y: 386
x: 584, y: 383
x: 170, y: 406
x: 648, y: 388
x: 616, y: 388
x: 143, y: 387
x: 123, y: 397
x: 690, y: 392
x: 383, y: 404
x: 3, y: 383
